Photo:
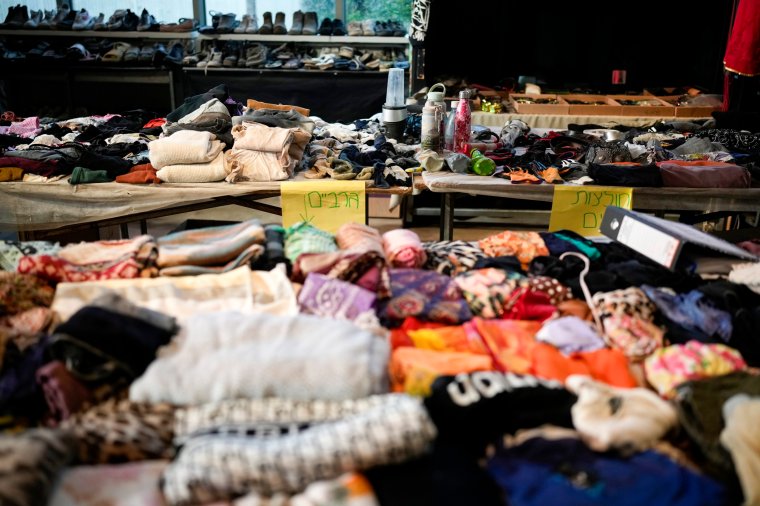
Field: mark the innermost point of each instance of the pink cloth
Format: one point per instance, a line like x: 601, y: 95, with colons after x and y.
x: 29, y: 128
x: 403, y: 249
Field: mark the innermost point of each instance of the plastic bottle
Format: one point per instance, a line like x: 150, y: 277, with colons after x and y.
x: 436, y: 99
x: 481, y: 164
x: 450, y: 127
x: 463, y: 123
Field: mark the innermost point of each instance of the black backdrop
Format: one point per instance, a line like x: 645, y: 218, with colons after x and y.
x: 578, y: 44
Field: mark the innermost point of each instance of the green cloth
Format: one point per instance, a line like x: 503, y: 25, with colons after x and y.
x: 591, y: 252
x: 304, y: 237
x: 83, y: 176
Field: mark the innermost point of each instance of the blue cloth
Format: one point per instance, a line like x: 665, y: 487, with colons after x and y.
x: 566, y: 472
x: 693, y: 311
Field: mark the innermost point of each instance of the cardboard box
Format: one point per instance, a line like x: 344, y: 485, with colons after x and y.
x: 526, y: 104
x: 688, y: 111
x: 643, y: 105
x: 591, y: 105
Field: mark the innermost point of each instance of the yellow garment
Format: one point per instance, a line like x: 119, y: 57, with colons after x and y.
x: 448, y: 339
x: 11, y: 174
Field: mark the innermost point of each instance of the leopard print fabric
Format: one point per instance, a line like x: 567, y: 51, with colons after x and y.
x: 123, y: 431
x: 19, y: 292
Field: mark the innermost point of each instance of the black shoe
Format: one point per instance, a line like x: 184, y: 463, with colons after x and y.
x: 147, y: 22
x: 279, y: 24
x: 215, y: 17
x: 131, y: 20
x: 297, y: 26
x: 338, y: 28
x: 174, y: 58
x: 398, y: 29
x: 159, y: 55
x: 67, y: 22
x: 326, y: 28
x: 267, y: 26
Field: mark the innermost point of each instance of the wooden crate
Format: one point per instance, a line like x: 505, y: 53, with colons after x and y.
x: 516, y: 99
x: 591, y: 105
x: 688, y: 111
x: 643, y: 105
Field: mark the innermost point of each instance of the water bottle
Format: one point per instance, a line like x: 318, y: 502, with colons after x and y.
x: 430, y: 131
x: 463, y: 123
x: 481, y: 164
x: 450, y: 127
x: 436, y: 99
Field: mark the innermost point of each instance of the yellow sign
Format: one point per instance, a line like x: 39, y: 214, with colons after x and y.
x: 324, y: 204
x: 581, y: 208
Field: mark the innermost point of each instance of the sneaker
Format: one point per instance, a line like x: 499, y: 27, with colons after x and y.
x: 45, y: 23
x: 146, y: 54
x: 297, y: 26
x: 368, y: 28
x: 67, y: 22
x: 99, y: 23
x: 227, y: 23
x: 60, y: 15
x: 17, y: 17
x: 279, y: 24
x: 131, y: 20
x: 116, y: 19
x: 147, y: 22
x: 253, y: 26
x: 231, y: 55
x: 355, y: 29
x: 255, y: 55
x: 326, y: 28
x: 398, y: 29
x: 184, y: 25
x: 175, y: 56
x: 243, y: 24
x: 215, y: 18
x: 83, y: 21
x: 34, y: 19
x: 338, y: 28
x: 309, y: 23
x: 132, y: 54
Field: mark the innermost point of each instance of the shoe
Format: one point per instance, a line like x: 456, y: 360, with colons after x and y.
x: 309, y: 23
x: 255, y: 55
x: 147, y: 22
x: 297, y: 26
x: 67, y: 22
x: 244, y: 22
x: 83, y: 21
x: 174, y: 58
x: 275, y: 64
x: 242, y: 56
x: 45, y: 23
x: 368, y: 28
x: 34, y: 19
x: 116, y: 19
x: 227, y: 23
x: 216, y: 59
x: 381, y: 29
x: 398, y: 29
x: 266, y: 25
x: 60, y: 15
x: 253, y: 26
x: 293, y: 63
x: 131, y: 55
x: 146, y: 54
x: 159, y: 54
x: 279, y: 24
x: 326, y: 27
x: 184, y: 25
x: 355, y: 29
x: 346, y: 52
x: 130, y: 21
x: 338, y: 28
x: 17, y: 17
x: 116, y: 54
x: 38, y: 50
x: 231, y: 55
x: 215, y: 17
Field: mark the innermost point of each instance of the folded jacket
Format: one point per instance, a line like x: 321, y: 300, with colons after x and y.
x: 704, y: 175
x: 184, y: 147
x: 195, y: 172
x: 256, y: 105
x: 214, y: 106
x: 286, y: 144
x: 261, y: 355
x: 259, y: 166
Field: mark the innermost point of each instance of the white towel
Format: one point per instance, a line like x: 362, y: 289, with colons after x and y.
x: 185, y: 146
x: 230, y: 355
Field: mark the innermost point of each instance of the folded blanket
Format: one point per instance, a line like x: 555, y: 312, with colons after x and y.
x: 360, y: 238
x: 403, y: 249
x: 217, y: 467
x: 194, y: 172
x: 247, y: 165
x: 184, y: 147
x: 261, y: 355
x: 209, y: 246
x: 265, y: 153
x: 182, y: 297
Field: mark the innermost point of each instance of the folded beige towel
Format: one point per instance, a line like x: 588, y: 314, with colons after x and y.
x: 264, y: 153
x: 194, y: 172
x: 185, y: 146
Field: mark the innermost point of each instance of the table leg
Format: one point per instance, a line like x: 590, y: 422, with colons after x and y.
x: 447, y: 217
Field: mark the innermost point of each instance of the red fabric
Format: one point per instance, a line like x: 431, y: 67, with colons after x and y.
x: 400, y: 336
x: 531, y: 305
x: 140, y: 174
x: 155, y: 122
x: 55, y: 269
x: 743, y: 48
x: 45, y: 169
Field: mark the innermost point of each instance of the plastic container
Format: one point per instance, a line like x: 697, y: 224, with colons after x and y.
x: 481, y: 164
x: 394, y: 95
x: 448, y: 137
x: 436, y: 99
x: 430, y: 131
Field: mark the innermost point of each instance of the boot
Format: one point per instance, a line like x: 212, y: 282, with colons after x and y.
x: 175, y: 56
x: 266, y: 25
x: 227, y: 23
x: 279, y: 24
x: 297, y: 26
x: 309, y: 23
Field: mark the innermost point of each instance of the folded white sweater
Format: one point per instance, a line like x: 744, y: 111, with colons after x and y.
x: 208, y: 172
x: 229, y: 355
x: 185, y: 146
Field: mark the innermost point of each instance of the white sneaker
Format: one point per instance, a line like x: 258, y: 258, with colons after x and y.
x: 34, y: 20
x: 45, y: 23
x: 99, y: 23
x: 83, y: 21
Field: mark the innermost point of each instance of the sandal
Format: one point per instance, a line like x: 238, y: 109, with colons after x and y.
x: 116, y: 54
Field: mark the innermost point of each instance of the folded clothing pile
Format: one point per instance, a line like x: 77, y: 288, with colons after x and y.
x: 188, y: 156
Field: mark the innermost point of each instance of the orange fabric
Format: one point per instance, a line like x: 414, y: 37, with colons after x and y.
x: 455, y: 338
x: 606, y: 365
x: 511, y: 342
x: 255, y: 104
x: 139, y: 174
x: 400, y: 335
x: 575, y: 307
x: 521, y: 176
x: 413, y: 370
